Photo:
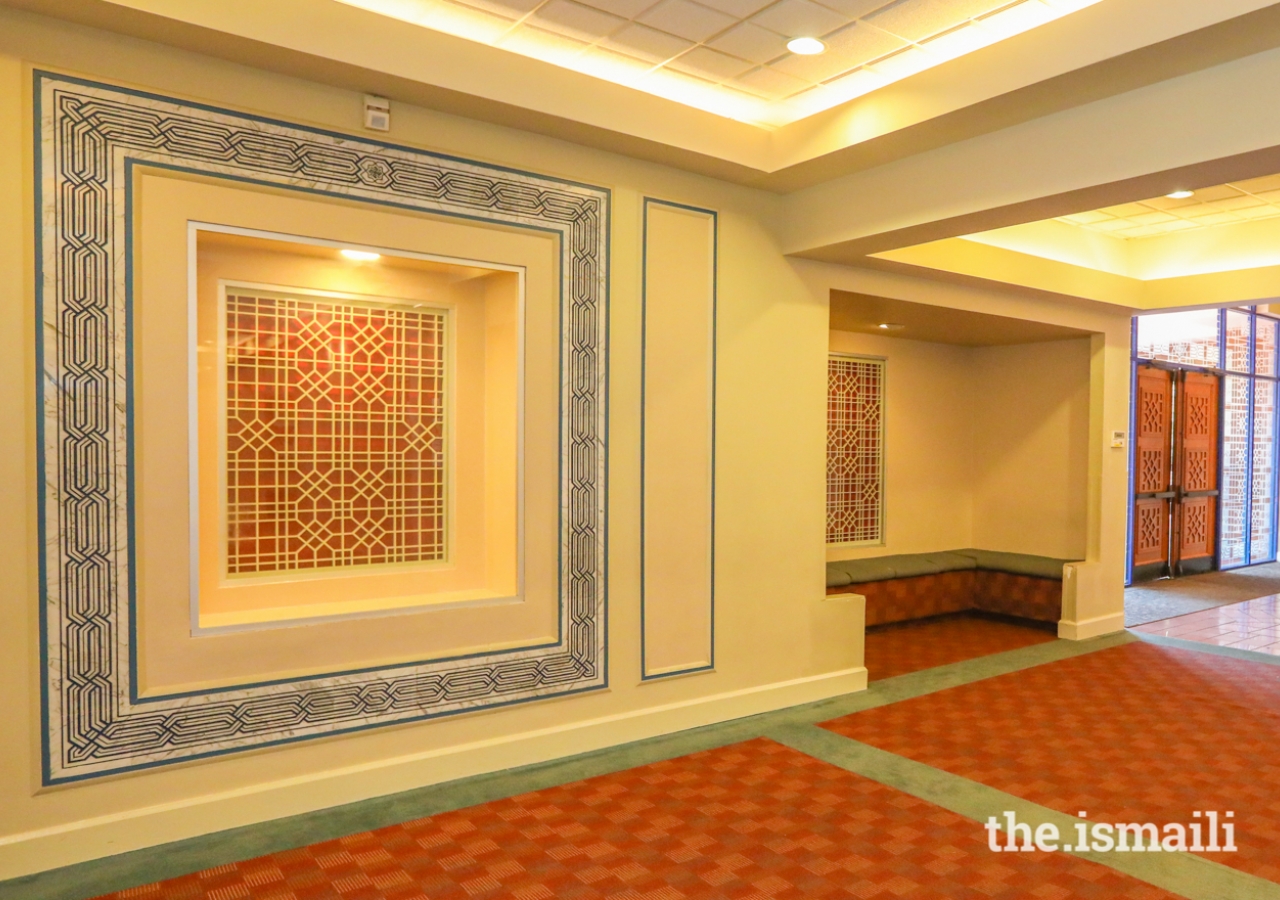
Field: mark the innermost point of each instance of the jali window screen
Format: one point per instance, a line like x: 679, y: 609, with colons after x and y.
x: 855, y: 450
x: 335, y: 433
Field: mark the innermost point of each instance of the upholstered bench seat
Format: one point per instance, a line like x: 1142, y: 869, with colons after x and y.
x: 915, y: 585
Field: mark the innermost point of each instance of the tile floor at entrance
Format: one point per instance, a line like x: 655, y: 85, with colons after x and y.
x: 1251, y: 625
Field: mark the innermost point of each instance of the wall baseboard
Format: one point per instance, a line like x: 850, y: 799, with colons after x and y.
x: 1091, y: 628
x: 36, y: 851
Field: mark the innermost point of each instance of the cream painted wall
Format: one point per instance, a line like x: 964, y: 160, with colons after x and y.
x: 985, y: 446
x: 1093, y: 590
x: 928, y: 444
x: 778, y: 640
x: 1030, y: 446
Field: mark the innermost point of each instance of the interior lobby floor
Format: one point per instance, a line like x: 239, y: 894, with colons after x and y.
x: 904, y: 647
x: 1170, y: 597
x: 1250, y: 625
x: 881, y: 793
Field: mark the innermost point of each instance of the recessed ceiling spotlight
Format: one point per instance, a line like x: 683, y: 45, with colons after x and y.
x: 361, y: 255
x: 890, y: 326
x: 1180, y: 195
x: 806, y: 46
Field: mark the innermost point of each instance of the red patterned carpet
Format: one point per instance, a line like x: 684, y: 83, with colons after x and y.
x: 913, y: 646
x: 754, y: 821
x: 1137, y: 733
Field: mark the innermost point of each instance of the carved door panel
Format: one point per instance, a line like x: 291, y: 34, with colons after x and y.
x: 1196, y: 473
x: 1153, y: 473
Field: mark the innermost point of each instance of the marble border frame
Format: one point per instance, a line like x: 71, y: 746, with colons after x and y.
x: 88, y: 138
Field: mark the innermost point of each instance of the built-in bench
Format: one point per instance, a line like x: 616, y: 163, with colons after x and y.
x: 916, y: 585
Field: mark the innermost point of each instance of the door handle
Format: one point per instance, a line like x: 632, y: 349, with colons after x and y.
x: 1195, y: 494
x: 1163, y: 495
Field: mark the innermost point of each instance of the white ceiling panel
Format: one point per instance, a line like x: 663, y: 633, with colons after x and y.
x: 739, y: 9
x: 647, y: 43
x: 576, y: 20
x: 696, y: 51
x: 770, y: 83
x: 751, y: 42
x: 915, y: 20
x: 626, y: 9
x: 711, y: 64
x: 687, y: 20
x: 799, y: 18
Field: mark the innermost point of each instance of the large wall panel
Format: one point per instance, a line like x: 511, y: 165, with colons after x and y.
x: 678, y: 478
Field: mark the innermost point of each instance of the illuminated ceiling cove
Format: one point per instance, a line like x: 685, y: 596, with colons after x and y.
x: 1223, y: 204
x: 729, y: 57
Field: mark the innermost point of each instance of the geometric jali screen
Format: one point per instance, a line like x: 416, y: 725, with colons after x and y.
x: 855, y: 450
x: 335, y: 433
x: 93, y: 140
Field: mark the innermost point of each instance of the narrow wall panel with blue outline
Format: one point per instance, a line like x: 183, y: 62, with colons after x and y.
x: 678, y: 477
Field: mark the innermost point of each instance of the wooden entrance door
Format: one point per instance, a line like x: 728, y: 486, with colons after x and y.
x: 1153, y: 473
x: 1175, y: 478
x: 1196, y: 474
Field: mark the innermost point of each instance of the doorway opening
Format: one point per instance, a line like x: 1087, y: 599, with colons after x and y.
x: 1203, y: 465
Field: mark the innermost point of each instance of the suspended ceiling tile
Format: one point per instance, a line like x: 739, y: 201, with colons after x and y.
x: 711, y: 64
x: 915, y: 20
x: 860, y: 57
x: 739, y: 9
x: 1111, y: 225
x: 800, y: 18
x: 902, y: 64
x: 1152, y: 218
x: 1087, y: 218
x: 1217, y: 192
x: 1242, y: 201
x: 1178, y: 225
x: 687, y: 20
x: 626, y: 9
x: 1219, y: 218
x: 1124, y: 210
x: 860, y: 43
x: 1265, y: 211
x: 751, y: 42
x: 855, y: 9
x: 1170, y: 203
x: 511, y: 9
x: 537, y: 41
x: 620, y: 67
x: 576, y: 20
x: 1265, y: 184
x: 768, y: 82
x: 646, y: 42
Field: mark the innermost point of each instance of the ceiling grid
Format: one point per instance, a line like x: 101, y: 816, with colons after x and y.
x: 730, y: 57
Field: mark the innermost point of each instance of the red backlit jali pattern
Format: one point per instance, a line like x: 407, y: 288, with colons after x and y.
x: 335, y: 446
x: 855, y: 450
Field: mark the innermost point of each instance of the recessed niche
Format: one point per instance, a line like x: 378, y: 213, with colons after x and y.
x: 356, y: 430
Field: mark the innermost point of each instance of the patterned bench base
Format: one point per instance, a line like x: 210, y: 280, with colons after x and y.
x: 903, y: 599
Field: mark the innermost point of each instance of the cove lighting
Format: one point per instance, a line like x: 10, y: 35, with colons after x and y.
x: 806, y: 46
x: 733, y: 98
x: 891, y: 326
x: 361, y: 255
x: 1180, y: 195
